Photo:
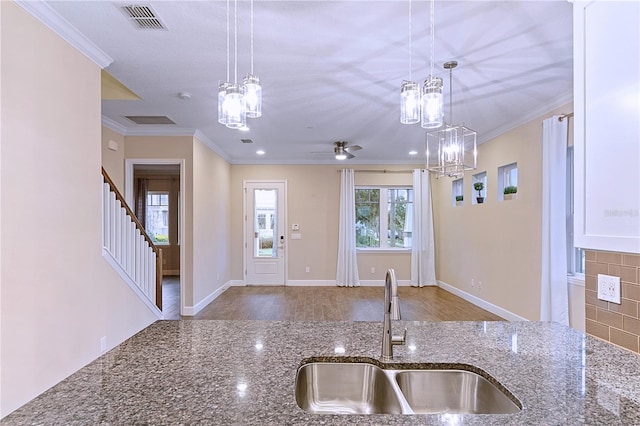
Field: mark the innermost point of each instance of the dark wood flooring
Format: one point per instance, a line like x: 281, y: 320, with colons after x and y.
x: 329, y: 304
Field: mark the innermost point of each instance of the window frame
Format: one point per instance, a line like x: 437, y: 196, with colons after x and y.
x: 383, y: 218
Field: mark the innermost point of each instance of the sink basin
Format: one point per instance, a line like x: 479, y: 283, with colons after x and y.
x: 363, y: 388
x: 452, y: 391
x: 345, y: 388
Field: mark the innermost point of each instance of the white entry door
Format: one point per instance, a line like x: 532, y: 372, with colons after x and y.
x: 265, y: 233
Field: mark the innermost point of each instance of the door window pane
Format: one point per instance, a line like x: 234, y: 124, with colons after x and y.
x: 265, y: 202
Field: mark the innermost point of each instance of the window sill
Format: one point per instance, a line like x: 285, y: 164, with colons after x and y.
x: 382, y: 250
x: 576, y: 279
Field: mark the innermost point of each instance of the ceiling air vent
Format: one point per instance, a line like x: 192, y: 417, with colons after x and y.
x: 150, y: 119
x: 143, y: 17
x: 246, y: 140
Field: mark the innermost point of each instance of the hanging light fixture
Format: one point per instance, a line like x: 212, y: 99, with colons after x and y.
x: 432, y: 100
x: 452, y: 149
x: 222, y: 85
x: 253, y: 90
x: 409, y: 90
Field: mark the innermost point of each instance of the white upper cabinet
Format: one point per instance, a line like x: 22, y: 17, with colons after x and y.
x: 607, y: 125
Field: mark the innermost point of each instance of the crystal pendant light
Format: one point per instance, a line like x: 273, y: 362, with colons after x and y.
x: 222, y: 91
x: 409, y: 90
x: 432, y: 100
x: 233, y: 107
x: 409, y: 103
x: 253, y: 90
x: 452, y: 149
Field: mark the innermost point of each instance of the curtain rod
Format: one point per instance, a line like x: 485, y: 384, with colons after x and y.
x: 567, y: 116
x: 381, y: 171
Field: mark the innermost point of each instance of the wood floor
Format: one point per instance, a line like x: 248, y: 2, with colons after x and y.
x: 332, y: 304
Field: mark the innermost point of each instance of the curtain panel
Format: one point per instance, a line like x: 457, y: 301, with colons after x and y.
x: 347, y: 269
x: 554, y: 294
x: 423, y: 265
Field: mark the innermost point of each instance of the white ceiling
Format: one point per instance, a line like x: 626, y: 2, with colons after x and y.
x: 331, y: 70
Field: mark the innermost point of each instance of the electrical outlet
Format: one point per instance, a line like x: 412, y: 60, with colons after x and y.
x: 473, y: 283
x: 103, y: 344
x: 307, y: 269
x: 479, y: 285
x: 609, y: 288
x: 373, y: 269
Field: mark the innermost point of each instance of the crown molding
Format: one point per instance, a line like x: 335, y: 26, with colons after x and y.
x: 212, y: 145
x: 56, y: 23
x: 114, y: 125
x: 532, y: 115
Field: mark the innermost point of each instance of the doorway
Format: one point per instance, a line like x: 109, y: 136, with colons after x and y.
x: 154, y: 189
x: 265, y: 232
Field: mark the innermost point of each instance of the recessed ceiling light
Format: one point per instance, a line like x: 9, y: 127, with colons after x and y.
x: 260, y: 152
x: 413, y: 152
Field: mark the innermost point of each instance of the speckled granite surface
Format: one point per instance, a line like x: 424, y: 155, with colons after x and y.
x: 243, y: 373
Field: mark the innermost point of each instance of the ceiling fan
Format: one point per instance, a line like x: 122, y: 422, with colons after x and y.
x: 343, y: 152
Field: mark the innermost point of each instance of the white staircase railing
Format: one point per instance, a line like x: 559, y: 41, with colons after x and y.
x: 128, y: 248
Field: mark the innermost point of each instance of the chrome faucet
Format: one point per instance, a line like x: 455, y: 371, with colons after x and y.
x: 391, y: 311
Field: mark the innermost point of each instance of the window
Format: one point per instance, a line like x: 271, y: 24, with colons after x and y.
x: 157, y: 218
x: 457, y: 191
x: 383, y: 209
x: 575, y: 256
x: 507, y: 177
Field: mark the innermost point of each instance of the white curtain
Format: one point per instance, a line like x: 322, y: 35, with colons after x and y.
x: 554, y: 303
x: 423, y: 264
x: 347, y: 272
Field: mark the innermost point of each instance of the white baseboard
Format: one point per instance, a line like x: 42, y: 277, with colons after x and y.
x: 190, y: 311
x: 236, y: 283
x: 487, y: 306
x: 380, y: 283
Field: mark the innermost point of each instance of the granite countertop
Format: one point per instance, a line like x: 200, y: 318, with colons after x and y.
x: 243, y: 373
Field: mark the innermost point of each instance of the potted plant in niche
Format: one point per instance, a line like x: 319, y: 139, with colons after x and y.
x: 459, y: 199
x: 479, y: 186
x: 510, y: 192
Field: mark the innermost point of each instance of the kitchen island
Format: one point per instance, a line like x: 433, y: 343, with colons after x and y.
x: 243, y: 373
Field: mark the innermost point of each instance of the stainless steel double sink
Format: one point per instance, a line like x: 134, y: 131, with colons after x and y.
x: 365, y: 388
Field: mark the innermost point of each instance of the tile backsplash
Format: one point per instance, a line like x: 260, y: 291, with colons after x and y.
x: 618, y: 324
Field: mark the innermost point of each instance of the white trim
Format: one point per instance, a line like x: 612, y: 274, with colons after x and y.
x: 487, y: 306
x: 56, y: 23
x: 532, y: 115
x: 236, y: 283
x: 190, y: 311
x: 129, y: 163
x: 211, y: 144
x: 113, y: 125
x: 125, y: 277
x: 577, y: 280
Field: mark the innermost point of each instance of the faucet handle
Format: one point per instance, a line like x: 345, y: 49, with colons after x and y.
x: 399, y: 340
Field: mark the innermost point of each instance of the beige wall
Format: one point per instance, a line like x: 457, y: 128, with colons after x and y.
x: 113, y: 161
x: 59, y: 296
x: 313, y: 195
x: 211, y: 217
x: 496, y: 243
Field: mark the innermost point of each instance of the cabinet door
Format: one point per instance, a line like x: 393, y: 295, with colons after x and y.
x: 607, y: 125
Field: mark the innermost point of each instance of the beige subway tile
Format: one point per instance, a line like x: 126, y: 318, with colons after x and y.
x: 612, y: 319
x: 609, y: 257
x: 626, y: 273
x: 627, y: 307
x: 590, y: 312
x: 631, y: 325
x: 596, y: 329
x: 590, y: 255
x: 631, y: 291
x: 595, y: 268
x: 631, y: 260
x: 591, y: 282
x: 626, y: 340
x: 591, y: 298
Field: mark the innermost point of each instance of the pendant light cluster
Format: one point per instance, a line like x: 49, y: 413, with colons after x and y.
x: 237, y: 102
x: 426, y: 106
x: 451, y: 149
